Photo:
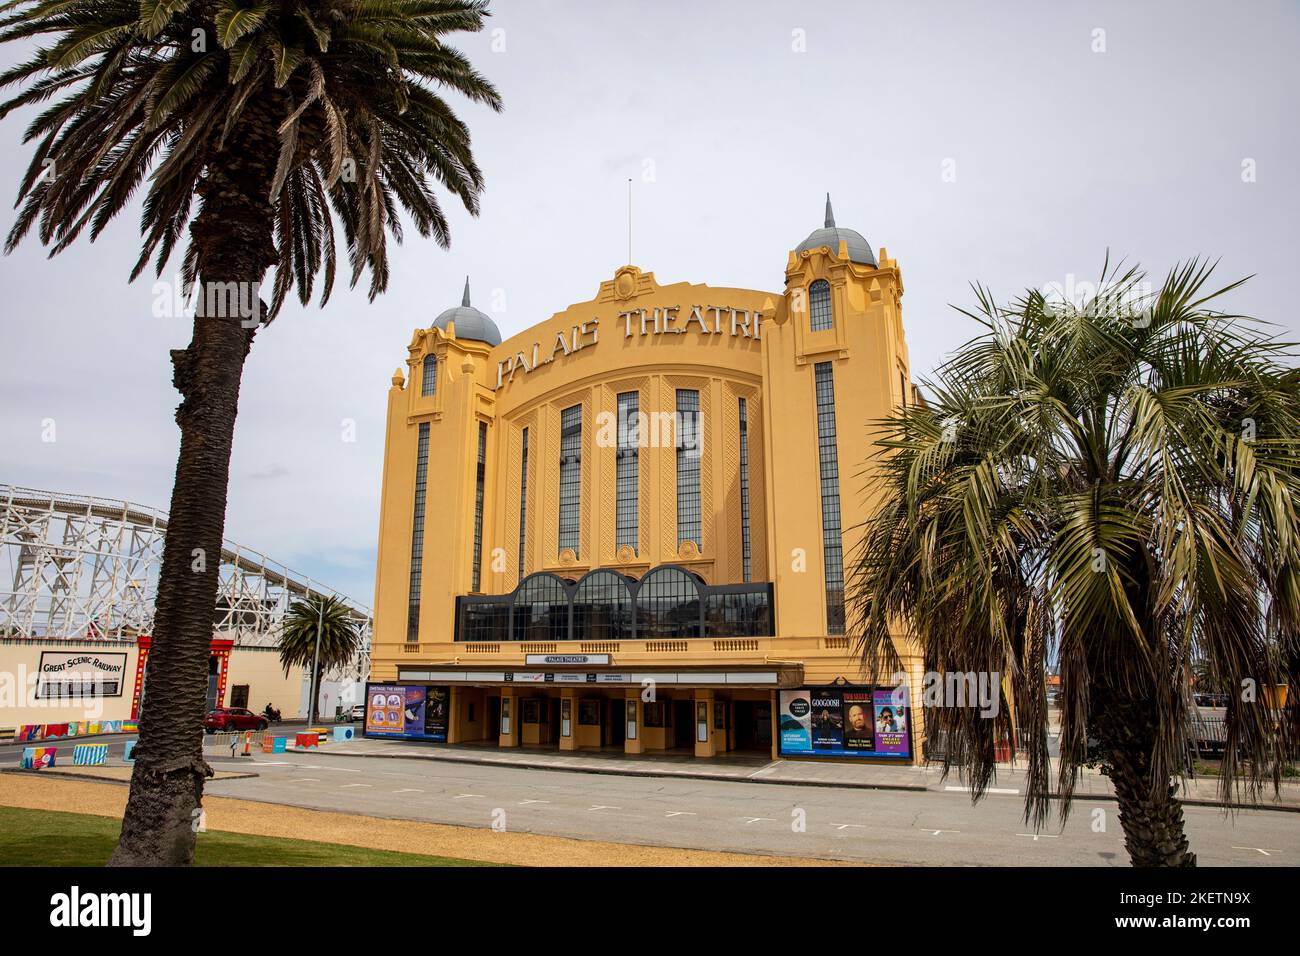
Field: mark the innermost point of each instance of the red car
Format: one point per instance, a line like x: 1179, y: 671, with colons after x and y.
x: 233, y: 718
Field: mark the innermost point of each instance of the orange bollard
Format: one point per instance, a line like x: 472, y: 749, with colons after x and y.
x: 248, y: 743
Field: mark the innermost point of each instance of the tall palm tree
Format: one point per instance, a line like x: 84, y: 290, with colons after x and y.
x: 328, y: 620
x: 1121, y: 485
x: 252, y: 126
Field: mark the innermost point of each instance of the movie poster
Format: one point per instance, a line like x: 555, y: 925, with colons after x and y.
x: 437, y: 713
x: 796, y: 722
x: 408, y: 710
x: 891, y: 724
x: 827, y: 719
x: 843, y: 720
x: 384, y: 709
x: 413, y: 713
x: 859, y: 732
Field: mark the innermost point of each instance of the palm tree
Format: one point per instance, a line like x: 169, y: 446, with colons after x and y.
x: 1120, y: 486
x: 252, y: 125
x: 328, y: 619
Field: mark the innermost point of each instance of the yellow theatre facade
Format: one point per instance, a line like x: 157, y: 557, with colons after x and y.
x: 626, y: 527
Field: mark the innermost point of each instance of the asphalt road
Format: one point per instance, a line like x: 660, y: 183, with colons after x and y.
x: 889, y: 827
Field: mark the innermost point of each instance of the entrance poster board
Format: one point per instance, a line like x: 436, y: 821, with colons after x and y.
x: 409, y: 711
x: 844, y: 720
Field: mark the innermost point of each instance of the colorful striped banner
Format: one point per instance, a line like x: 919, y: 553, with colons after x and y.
x: 89, y: 755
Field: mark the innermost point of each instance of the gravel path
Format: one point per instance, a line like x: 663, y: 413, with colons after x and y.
x: 466, y: 843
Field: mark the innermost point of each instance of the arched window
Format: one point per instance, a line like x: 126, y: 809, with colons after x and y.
x: 429, y: 381
x: 668, y: 604
x: 819, y: 305
x: 541, y: 610
x: 602, y: 608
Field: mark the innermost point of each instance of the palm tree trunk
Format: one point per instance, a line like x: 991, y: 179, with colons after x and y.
x: 1149, y: 813
x: 232, y: 235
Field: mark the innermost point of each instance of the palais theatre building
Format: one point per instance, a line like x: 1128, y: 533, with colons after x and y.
x: 626, y: 527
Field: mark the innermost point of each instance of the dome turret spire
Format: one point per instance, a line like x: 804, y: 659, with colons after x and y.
x: 470, y: 322
x: 830, y: 236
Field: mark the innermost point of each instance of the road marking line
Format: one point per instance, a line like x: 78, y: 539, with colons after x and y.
x: 602, y: 807
x: 937, y: 832
x: 305, y: 779
x: 463, y: 795
x: 680, y: 813
x: 346, y: 785
x: 989, y: 790
x: 523, y: 803
x: 756, y: 819
x: 408, y: 790
x: 1255, y: 848
x: 1045, y: 836
x: 845, y: 826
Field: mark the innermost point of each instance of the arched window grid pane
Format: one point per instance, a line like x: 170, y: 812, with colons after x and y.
x: 819, y: 305
x: 668, y: 605
x: 429, y: 378
x: 627, y: 468
x: 541, y: 610
x: 523, y: 503
x: 606, y: 605
x: 829, y: 473
x: 688, y: 467
x: 417, y: 534
x: 602, y: 608
x: 744, y: 493
x: 481, y: 470
x: 570, y: 478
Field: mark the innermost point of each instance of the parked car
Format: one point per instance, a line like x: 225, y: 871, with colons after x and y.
x: 233, y: 718
x: 358, y: 712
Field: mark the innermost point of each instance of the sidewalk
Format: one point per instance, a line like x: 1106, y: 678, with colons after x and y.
x: 733, y: 768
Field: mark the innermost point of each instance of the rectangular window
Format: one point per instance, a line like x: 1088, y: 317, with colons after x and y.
x: 429, y: 380
x: 744, y: 492
x: 478, y: 505
x: 417, y: 534
x: 829, y: 468
x: 570, y: 477
x: 625, y: 517
x: 688, y: 466
x: 523, y: 503
x: 484, y: 620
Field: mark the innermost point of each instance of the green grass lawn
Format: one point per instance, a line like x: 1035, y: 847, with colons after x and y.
x: 54, y: 838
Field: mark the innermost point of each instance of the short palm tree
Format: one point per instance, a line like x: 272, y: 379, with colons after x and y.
x: 328, y: 618
x: 252, y: 126
x: 1116, y: 486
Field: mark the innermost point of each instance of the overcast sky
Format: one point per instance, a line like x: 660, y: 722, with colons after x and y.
x: 733, y: 119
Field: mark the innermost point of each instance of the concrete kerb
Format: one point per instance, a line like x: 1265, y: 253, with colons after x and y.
x: 727, y: 778
x: 96, y: 778
x: 611, y: 771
